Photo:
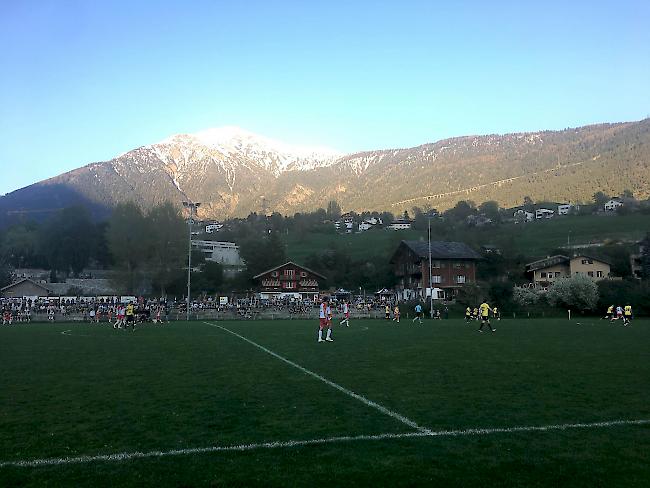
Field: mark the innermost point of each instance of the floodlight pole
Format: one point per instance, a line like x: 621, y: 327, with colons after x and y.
x: 430, y: 277
x: 192, y: 207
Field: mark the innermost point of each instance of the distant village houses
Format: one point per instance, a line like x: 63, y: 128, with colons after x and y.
x: 400, y: 224
x: 612, y: 205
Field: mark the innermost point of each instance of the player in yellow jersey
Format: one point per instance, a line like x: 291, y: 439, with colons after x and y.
x: 627, y: 315
x: 610, y: 312
x: 485, y: 316
x: 475, y: 313
x: 130, y: 316
x: 496, y: 314
x: 468, y: 314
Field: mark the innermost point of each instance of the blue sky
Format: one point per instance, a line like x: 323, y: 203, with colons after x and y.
x: 85, y: 81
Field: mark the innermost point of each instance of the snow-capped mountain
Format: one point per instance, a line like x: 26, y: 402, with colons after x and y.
x: 234, y: 143
x: 233, y: 172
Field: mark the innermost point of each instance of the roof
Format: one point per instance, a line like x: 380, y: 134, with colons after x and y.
x: 22, y: 281
x: 440, y: 250
x: 285, y: 264
x: 548, y: 261
x: 559, y: 259
x: 593, y: 258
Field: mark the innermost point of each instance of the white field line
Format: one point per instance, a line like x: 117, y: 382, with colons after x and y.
x: 350, y: 393
x: 127, y: 456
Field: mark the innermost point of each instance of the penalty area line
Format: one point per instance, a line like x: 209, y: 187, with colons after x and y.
x: 342, y: 389
x: 127, y: 456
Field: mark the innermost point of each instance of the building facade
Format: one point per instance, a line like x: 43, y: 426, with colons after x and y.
x: 225, y: 253
x: 25, y: 288
x: 546, y: 271
x: 289, y: 280
x: 453, y: 265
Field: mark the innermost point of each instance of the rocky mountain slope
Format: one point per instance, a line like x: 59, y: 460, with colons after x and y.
x: 233, y: 172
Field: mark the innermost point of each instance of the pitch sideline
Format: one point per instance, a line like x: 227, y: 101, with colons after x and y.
x: 126, y: 456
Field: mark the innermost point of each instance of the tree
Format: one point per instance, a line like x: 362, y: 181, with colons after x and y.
x: 21, y: 246
x: 262, y: 253
x: 578, y: 292
x: 600, y: 199
x: 645, y: 257
x: 5, y: 273
x: 529, y: 204
x: 461, y: 211
x: 628, y: 194
x: 333, y: 210
x: 167, y: 245
x: 128, y: 243
x: 67, y: 240
x: 209, y: 280
x: 490, y: 209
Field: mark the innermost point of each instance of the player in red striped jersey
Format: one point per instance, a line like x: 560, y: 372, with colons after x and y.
x: 324, y: 321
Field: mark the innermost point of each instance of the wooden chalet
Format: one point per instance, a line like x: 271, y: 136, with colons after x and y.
x: 453, y: 265
x: 289, y: 280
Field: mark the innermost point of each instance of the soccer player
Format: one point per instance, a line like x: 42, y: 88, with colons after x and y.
x: 468, y: 314
x: 610, y: 313
x: 50, y: 313
x: 418, y: 313
x: 396, y: 314
x: 475, y: 313
x: 346, y: 314
x: 485, y: 316
x: 387, y: 310
x: 496, y: 314
x: 7, y: 318
x: 619, y: 313
x: 323, y: 322
x: 130, y: 317
x: 627, y: 315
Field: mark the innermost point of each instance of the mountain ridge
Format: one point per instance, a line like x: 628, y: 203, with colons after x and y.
x: 233, y: 172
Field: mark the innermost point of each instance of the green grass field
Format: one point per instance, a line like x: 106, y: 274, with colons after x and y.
x: 475, y: 409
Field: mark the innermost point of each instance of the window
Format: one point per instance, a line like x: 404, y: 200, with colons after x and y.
x: 599, y: 274
x: 590, y: 273
x: 435, y: 264
x: 289, y: 285
x: 459, y: 265
x: 436, y: 279
x: 587, y: 261
x: 289, y: 273
x: 543, y: 274
x: 303, y: 274
x: 460, y: 279
x: 274, y: 274
x: 557, y: 274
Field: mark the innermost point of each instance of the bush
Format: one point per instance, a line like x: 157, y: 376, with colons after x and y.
x: 577, y: 292
x: 526, y: 297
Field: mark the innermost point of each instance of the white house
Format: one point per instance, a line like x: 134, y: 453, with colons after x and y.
x: 400, y: 224
x: 523, y: 215
x: 226, y: 253
x: 612, y: 205
x: 544, y: 213
x: 369, y: 224
x: 564, y: 208
x: 214, y: 227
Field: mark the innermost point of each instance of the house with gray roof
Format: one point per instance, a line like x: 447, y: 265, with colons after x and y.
x: 453, y: 265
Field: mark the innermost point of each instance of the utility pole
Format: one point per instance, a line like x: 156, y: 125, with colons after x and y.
x: 192, y: 207
x: 430, y: 277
